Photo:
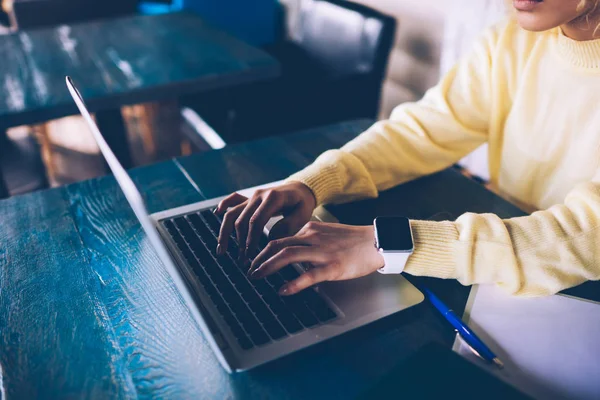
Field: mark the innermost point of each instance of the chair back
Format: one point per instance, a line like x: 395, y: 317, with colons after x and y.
x: 345, y: 38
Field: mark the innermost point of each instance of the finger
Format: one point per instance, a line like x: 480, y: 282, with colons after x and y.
x: 306, y: 280
x: 267, y: 209
x: 232, y: 200
x: 227, y: 227
x: 241, y: 225
x: 274, y: 247
x: 287, y: 256
x: 288, y: 226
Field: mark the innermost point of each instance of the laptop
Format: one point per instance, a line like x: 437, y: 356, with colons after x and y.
x: 246, y: 322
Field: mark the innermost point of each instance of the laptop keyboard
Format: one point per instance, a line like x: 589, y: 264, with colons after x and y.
x: 254, y: 311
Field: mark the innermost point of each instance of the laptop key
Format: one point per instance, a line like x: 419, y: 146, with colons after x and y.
x: 227, y: 291
x: 220, y: 304
x: 194, y: 242
x: 238, y: 332
x: 186, y: 229
x: 232, y: 248
x: 289, y: 273
x: 202, y: 276
x: 318, y: 306
x: 264, y: 315
x: 300, y: 310
x: 259, y: 337
x: 238, y: 279
x: 207, y: 236
x: 261, y: 311
x: 185, y: 250
x: 212, y: 220
x: 228, y: 265
x: 290, y: 323
x: 274, y: 301
x: 254, y: 329
x: 254, y: 303
x: 204, y: 256
x: 176, y: 236
x: 274, y: 329
x: 248, y: 293
x: 275, y: 280
x: 170, y: 227
x: 263, y: 287
x: 238, y: 306
x: 283, y: 314
x: 245, y: 343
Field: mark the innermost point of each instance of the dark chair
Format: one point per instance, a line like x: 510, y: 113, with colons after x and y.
x: 333, y: 68
x: 21, y: 167
x: 336, y: 59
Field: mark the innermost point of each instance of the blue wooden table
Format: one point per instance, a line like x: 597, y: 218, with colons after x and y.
x: 117, y: 62
x: 87, y: 310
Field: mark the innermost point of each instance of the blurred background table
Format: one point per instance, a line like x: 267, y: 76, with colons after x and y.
x: 117, y: 62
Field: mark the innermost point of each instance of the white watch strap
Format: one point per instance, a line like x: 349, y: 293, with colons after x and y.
x: 394, y: 262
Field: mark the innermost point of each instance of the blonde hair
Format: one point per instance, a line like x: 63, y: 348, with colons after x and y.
x: 582, y: 4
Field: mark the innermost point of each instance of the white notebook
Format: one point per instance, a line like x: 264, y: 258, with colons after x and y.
x: 550, y: 346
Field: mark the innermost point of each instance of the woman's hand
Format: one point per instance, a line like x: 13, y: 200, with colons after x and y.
x: 295, y: 201
x: 337, y: 252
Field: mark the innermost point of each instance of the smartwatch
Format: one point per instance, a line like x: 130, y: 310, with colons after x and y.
x: 394, y: 241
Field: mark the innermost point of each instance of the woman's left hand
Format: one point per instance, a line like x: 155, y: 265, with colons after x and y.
x: 337, y: 252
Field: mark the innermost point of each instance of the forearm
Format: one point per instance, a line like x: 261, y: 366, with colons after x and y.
x: 530, y: 256
x: 419, y: 139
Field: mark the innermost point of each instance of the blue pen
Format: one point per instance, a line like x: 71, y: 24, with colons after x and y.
x: 463, y: 330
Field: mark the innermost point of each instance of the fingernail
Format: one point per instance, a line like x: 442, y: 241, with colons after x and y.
x: 252, y: 269
x: 284, y: 291
x: 257, y: 272
x: 219, y: 249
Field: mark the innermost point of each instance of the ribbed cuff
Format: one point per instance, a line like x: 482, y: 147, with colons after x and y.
x: 322, y: 179
x: 434, y: 249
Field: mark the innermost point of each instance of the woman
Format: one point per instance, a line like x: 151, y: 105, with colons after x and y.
x: 531, y: 90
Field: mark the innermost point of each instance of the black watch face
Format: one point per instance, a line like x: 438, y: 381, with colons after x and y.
x: 393, y: 233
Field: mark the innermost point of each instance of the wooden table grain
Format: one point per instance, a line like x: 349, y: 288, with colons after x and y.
x: 118, y: 62
x: 88, y: 311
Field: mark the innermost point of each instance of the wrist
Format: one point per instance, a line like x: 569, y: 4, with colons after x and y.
x: 307, y: 194
x: 369, y: 240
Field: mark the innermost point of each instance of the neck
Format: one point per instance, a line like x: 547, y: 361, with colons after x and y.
x: 585, y: 27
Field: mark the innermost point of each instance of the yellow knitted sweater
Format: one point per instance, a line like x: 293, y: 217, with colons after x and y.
x: 535, y: 98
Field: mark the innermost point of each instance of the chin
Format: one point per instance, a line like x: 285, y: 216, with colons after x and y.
x: 534, y: 23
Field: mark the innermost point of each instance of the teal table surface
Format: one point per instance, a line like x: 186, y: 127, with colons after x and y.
x: 88, y: 311
x: 120, y: 61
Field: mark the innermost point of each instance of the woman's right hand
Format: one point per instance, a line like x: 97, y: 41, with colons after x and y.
x: 294, y: 200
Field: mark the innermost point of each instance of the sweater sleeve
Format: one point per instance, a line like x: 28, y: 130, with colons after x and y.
x: 537, y: 255
x: 419, y: 138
